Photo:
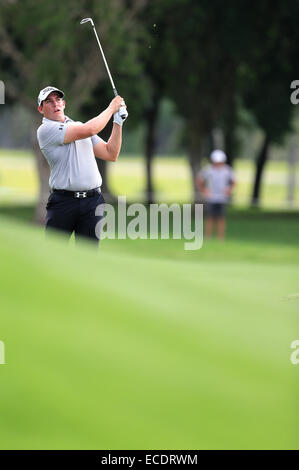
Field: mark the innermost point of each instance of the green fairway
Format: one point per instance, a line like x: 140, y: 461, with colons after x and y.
x: 18, y: 177
x: 19, y: 182
x: 143, y: 345
x: 149, y: 266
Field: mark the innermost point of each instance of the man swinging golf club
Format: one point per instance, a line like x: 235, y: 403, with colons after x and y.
x: 70, y: 148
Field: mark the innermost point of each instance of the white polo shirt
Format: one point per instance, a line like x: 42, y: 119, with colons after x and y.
x: 217, y: 179
x: 72, y: 166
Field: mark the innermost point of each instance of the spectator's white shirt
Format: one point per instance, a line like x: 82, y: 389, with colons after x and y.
x: 217, y: 180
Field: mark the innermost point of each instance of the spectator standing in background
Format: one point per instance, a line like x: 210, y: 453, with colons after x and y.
x: 215, y: 182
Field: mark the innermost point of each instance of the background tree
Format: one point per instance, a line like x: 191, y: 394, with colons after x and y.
x: 203, y: 45
x: 212, y: 60
x: 42, y: 43
x: 151, y: 55
x: 270, y: 68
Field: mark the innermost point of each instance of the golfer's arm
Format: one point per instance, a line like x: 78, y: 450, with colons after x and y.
x: 200, y: 182
x: 89, y: 128
x: 110, y: 150
x: 231, y: 185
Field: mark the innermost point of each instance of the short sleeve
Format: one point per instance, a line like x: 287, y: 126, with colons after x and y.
x: 96, y: 139
x: 49, y: 135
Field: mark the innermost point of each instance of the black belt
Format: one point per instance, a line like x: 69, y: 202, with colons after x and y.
x: 78, y: 194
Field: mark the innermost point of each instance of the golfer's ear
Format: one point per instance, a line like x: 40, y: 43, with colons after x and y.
x: 40, y: 109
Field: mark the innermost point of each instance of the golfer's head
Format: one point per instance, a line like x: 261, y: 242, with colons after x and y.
x: 218, y: 157
x: 51, y: 103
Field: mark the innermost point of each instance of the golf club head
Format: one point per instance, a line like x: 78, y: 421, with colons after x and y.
x: 86, y: 20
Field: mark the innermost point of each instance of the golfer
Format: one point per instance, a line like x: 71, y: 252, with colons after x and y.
x: 215, y: 182
x: 70, y: 148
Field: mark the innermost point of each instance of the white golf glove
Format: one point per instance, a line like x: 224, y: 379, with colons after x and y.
x: 119, y: 120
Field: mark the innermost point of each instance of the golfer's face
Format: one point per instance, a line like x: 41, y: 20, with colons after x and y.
x: 53, y: 107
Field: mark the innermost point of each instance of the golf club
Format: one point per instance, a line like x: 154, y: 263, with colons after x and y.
x: 122, y: 110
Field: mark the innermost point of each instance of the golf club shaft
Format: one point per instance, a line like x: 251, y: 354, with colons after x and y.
x: 105, y: 62
x: 122, y: 110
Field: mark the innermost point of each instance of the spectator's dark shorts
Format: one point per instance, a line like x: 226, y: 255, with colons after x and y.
x: 215, y: 209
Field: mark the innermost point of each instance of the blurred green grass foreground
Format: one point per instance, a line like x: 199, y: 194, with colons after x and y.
x: 141, y: 345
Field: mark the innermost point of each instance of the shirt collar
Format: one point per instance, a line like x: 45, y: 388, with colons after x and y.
x: 67, y: 119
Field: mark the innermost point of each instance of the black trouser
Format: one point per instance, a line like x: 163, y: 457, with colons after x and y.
x: 70, y: 214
